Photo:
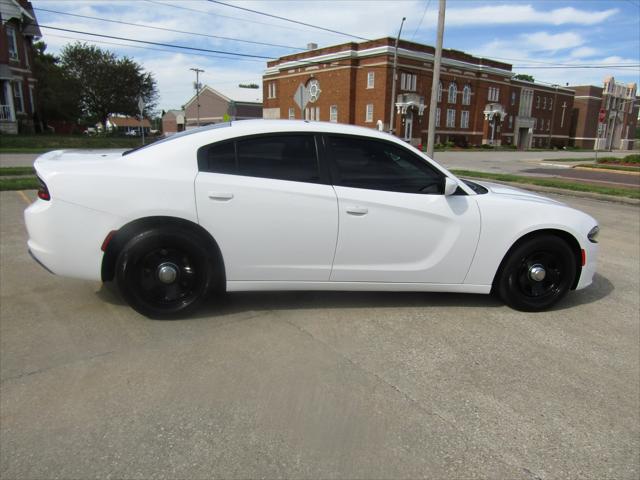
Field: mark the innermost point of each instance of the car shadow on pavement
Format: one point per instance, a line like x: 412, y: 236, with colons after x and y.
x: 239, y: 302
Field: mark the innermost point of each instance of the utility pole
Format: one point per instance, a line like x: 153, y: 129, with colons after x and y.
x: 197, y: 85
x: 393, y: 79
x: 431, y: 136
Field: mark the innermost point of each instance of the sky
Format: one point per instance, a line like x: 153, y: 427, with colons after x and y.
x: 545, y: 38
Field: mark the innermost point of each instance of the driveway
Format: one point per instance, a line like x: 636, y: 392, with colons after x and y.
x: 320, y: 385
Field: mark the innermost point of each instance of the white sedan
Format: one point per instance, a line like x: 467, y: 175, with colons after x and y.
x: 294, y: 205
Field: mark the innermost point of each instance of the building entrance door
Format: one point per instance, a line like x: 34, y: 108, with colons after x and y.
x: 408, y: 125
x: 523, y: 138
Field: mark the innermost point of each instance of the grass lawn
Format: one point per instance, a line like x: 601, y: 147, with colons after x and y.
x: 552, y: 182
x: 14, y: 171
x: 635, y: 158
x: 21, y: 183
x: 47, y: 142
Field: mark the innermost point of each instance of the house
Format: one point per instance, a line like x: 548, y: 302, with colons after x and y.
x: 123, y: 124
x: 219, y: 105
x: 479, y: 102
x: 605, y: 117
x: 173, y: 122
x: 18, y: 29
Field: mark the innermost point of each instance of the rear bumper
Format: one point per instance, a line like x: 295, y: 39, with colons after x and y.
x: 39, y: 262
x: 66, y: 238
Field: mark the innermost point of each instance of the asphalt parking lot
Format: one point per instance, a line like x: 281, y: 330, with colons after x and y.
x: 320, y: 385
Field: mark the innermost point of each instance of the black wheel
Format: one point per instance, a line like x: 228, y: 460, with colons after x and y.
x: 164, y: 272
x: 537, y: 273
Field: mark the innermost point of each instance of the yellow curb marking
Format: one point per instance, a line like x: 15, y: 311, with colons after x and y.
x: 26, y: 199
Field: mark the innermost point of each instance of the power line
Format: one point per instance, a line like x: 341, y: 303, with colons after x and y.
x: 181, y: 7
x: 154, y: 49
x: 287, y: 19
x: 141, y: 25
x: 156, y: 43
x: 420, y: 24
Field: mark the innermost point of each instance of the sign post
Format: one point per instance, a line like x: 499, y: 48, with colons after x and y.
x: 141, y: 108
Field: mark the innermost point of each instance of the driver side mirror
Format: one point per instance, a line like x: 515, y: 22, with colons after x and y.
x: 450, y: 186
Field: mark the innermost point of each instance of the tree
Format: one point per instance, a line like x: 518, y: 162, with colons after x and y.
x: 58, y: 93
x: 108, y: 84
x: 524, y: 76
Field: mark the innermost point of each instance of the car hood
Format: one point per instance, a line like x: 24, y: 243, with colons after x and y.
x: 517, y: 193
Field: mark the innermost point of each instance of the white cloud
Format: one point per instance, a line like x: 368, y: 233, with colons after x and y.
x: 584, y: 52
x: 524, y: 14
x: 543, y: 41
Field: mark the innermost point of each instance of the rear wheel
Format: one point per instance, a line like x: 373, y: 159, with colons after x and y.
x: 537, y: 273
x: 164, y: 272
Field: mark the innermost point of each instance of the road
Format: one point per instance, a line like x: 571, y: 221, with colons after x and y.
x: 320, y: 385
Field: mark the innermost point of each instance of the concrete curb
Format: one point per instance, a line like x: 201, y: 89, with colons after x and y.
x: 606, y: 170
x: 562, y: 191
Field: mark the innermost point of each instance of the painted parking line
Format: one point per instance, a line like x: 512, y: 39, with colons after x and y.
x: 24, y: 197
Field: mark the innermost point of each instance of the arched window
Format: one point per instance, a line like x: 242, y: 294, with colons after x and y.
x: 466, y: 95
x: 453, y: 92
x: 440, y: 91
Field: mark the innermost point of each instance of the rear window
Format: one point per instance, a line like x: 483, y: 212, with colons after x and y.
x: 282, y: 157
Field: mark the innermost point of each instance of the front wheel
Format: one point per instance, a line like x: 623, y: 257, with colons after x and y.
x: 537, y: 273
x: 164, y: 272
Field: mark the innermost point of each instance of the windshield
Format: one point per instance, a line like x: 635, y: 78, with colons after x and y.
x: 186, y: 133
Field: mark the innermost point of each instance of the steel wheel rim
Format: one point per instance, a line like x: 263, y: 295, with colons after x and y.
x: 550, y: 285
x: 154, y: 288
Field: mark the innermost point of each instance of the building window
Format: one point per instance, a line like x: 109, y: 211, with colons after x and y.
x: 18, y: 98
x: 31, y: 99
x: 451, y: 117
x: 440, y: 92
x: 513, y: 98
x: 312, y: 113
x: 548, y: 124
x: 544, y: 103
x: 535, y: 123
x: 494, y: 94
x: 453, y: 93
x: 538, y: 101
x: 26, y: 54
x: 371, y: 79
x: 408, y: 81
x: 550, y: 104
x: 292, y: 113
x: 437, y: 117
x: 272, y: 90
x: 12, y: 42
x: 369, y: 113
x: 510, y: 121
x: 464, y: 119
x: 333, y: 113
x: 466, y: 95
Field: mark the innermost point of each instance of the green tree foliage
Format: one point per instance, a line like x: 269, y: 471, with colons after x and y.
x: 524, y: 76
x: 107, y: 84
x: 58, y: 93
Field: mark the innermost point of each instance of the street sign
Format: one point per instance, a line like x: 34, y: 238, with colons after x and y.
x: 602, y: 115
x: 301, y: 97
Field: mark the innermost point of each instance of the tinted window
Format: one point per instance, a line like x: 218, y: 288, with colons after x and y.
x: 378, y: 165
x: 218, y: 158
x: 283, y: 157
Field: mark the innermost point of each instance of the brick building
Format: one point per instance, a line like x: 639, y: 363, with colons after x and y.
x: 18, y: 29
x: 479, y: 101
x: 605, y: 117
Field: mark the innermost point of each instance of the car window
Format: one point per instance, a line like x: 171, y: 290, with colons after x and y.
x: 379, y: 165
x: 281, y: 157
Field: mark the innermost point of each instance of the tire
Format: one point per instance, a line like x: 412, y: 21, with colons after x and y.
x: 519, y: 283
x: 165, y: 273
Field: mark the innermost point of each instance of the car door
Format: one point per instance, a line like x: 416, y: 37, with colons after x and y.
x: 268, y: 206
x: 396, y: 224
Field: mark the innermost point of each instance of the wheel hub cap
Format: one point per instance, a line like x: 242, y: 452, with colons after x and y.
x: 167, y: 273
x: 537, y: 273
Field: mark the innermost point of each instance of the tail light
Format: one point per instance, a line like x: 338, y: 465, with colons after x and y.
x: 43, y: 191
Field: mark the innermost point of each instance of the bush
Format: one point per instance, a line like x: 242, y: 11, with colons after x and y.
x: 635, y: 158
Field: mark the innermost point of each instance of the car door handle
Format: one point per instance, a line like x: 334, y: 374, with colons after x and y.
x: 357, y: 211
x: 221, y: 196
